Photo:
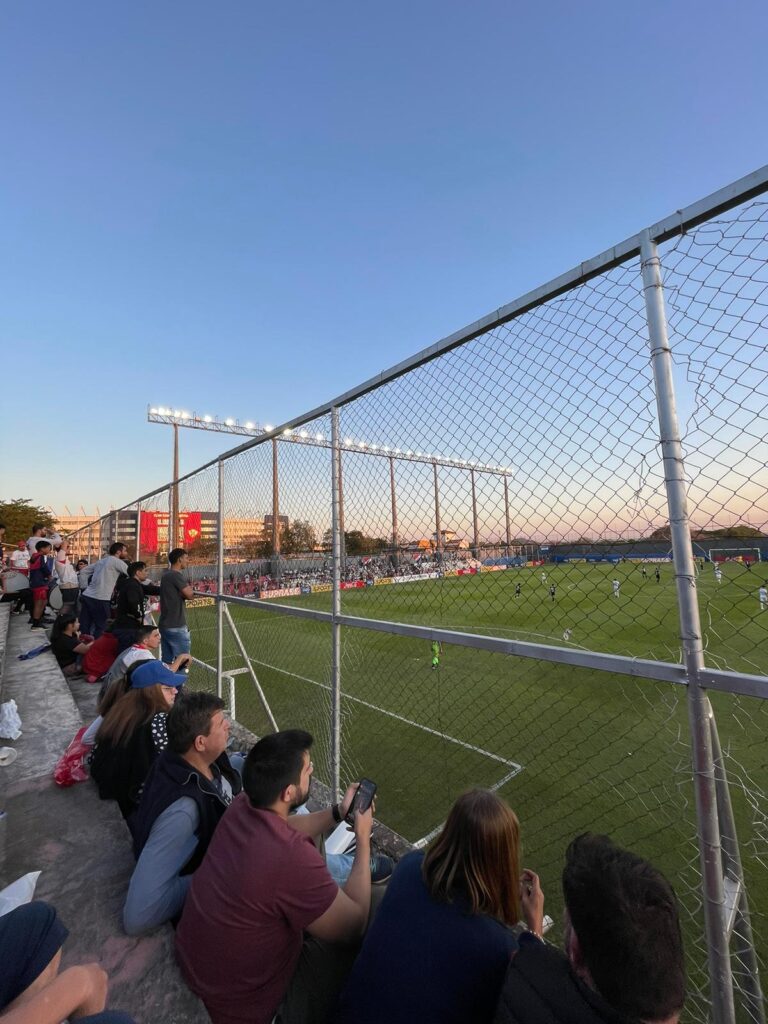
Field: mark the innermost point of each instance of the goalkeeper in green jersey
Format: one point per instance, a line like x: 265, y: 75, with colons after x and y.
x: 437, y: 650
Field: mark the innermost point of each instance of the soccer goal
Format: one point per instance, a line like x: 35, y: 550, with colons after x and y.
x: 742, y: 555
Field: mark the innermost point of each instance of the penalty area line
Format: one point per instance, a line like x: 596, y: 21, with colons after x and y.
x: 421, y: 843
x: 513, y: 765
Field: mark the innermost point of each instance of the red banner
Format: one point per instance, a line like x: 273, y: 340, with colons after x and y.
x: 149, y: 545
x: 191, y: 526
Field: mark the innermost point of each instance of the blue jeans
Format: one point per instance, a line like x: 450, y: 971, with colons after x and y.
x: 175, y: 642
x: 107, y: 1017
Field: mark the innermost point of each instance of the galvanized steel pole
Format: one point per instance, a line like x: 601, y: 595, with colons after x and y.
x: 438, y: 528
x: 138, y: 533
x: 336, y: 527
x: 720, y: 976
x: 475, y: 530
x: 220, y: 583
x: 275, y: 512
x: 506, y: 516
x: 393, y: 497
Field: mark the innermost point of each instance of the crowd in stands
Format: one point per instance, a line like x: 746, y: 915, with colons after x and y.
x: 270, y: 926
x: 360, y: 570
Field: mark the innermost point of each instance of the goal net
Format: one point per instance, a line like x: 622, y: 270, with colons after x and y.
x: 743, y: 555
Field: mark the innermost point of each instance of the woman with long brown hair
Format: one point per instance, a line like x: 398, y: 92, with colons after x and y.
x: 440, y: 944
x: 133, y: 733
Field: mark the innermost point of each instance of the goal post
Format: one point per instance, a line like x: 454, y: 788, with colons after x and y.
x: 742, y: 555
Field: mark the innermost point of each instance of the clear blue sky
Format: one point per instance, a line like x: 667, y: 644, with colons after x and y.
x: 246, y: 208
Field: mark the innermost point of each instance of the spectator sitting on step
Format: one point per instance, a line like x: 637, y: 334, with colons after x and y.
x: 101, y: 655
x: 188, y: 788
x: 440, y: 944
x: 67, y: 645
x: 32, y: 991
x: 40, y: 573
x: 131, y: 610
x: 624, y: 959
x: 97, y: 596
x: 262, y: 885
x: 146, y: 646
x: 133, y: 733
x: 117, y: 681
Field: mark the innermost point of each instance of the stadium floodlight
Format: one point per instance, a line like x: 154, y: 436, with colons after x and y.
x: 249, y: 425
x: 207, y: 419
x: 229, y: 422
x: 303, y: 433
x: 268, y: 427
x: 319, y: 437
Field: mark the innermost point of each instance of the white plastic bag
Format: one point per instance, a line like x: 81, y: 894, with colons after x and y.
x: 10, y: 722
x: 19, y: 892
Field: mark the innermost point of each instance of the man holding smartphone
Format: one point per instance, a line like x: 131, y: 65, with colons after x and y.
x: 241, y: 942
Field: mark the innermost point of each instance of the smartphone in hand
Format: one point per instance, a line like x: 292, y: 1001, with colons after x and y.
x: 362, y: 799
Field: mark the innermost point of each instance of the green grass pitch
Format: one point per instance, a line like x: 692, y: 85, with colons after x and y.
x: 570, y: 749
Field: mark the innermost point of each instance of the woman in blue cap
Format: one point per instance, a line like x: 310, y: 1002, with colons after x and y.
x: 133, y: 734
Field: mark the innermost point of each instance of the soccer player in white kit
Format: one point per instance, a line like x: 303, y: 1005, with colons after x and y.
x: 763, y: 596
x: 615, y: 585
x: 718, y: 575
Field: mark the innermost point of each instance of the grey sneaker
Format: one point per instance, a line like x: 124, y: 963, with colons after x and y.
x: 381, y: 869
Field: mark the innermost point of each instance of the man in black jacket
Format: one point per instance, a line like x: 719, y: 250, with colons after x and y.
x: 132, y: 592
x: 624, y: 959
x: 188, y: 789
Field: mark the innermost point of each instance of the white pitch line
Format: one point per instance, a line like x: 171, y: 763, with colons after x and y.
x: 421, y: 843
x: 400, y: 718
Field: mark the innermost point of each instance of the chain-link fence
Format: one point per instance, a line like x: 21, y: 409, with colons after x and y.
x: 523, y: 559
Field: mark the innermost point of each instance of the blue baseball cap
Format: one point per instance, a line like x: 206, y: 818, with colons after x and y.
x: 150, y: 673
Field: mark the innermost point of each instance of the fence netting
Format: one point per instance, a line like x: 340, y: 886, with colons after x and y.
x: 513, y: 487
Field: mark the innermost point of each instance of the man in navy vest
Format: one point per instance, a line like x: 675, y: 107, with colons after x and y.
x: 188, y: 789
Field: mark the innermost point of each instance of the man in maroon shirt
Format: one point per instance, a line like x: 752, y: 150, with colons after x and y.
x: 262, y: 884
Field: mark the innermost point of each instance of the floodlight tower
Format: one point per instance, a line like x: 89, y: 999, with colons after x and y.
x: 179, y: 418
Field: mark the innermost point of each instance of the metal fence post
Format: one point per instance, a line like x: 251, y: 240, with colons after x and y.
x: 336, y: 609
x: 741, y: 926
x: 275, y: 568
x: 393, y: 498
x: 138, y: 532
x: 720, y: 975
x: 220, y: 584
x: 475, y: 527
x: 438, y: 527
x: 340, y: 514
x: 507, y: 527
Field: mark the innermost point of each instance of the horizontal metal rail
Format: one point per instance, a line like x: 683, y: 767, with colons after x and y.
x: 621, y: 664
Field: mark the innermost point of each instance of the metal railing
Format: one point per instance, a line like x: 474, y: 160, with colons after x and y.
x: 529, y: 557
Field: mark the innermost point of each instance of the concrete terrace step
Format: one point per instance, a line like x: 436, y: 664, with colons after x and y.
x: 80, y: 843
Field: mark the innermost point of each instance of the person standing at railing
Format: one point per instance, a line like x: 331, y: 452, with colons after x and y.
x: 175, y: 591
x: 131, y: 612
x: 97, y: 596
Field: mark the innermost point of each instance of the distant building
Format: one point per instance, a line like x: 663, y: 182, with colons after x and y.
x: 91, y: 536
